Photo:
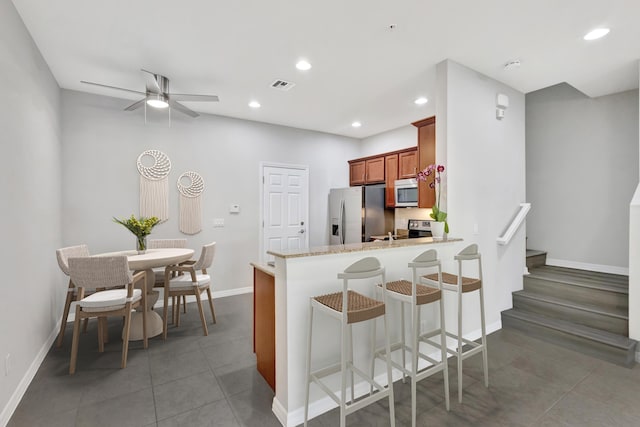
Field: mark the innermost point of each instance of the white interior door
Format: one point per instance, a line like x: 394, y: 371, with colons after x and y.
x: 285, y: 208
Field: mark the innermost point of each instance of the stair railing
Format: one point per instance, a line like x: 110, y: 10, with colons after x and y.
x: 515, y: 224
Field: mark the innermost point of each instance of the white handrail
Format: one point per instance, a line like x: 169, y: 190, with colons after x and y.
x: 513, y: 227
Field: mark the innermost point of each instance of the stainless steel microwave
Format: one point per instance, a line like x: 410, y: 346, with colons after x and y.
x: 406, y: 193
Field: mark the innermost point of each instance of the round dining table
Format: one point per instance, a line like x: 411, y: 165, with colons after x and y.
x: 152, y: 258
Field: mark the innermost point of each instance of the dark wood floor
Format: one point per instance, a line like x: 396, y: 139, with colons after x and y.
x: 192, y: 380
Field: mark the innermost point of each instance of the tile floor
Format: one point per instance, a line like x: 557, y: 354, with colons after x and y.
x: 192, y: 380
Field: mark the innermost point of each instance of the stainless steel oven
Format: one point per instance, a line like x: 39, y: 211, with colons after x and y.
x: 419, y: 228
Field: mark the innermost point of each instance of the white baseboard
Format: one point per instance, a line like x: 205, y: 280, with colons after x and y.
x: 601, y: 268
x: 190, y: 298
x: 19, y: 392
x: 319, y: 407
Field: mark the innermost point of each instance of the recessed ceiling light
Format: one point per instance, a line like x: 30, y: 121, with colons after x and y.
x: 596, y: 34
x: 356, y: 124
x: 421, y: 101
x: 254, y: 104
x: 303, y: 65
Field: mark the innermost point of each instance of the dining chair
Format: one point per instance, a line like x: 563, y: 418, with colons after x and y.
x: 118, y: 299
x: 159, y: 272
x: 63, y: 255
x: 189, y: 282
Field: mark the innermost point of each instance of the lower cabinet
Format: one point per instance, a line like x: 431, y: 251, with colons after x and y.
x: 264, y: 325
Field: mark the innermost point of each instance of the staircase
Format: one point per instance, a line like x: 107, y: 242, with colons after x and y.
x: 581, y: 310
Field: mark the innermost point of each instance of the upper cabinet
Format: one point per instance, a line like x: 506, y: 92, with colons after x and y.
x: 407, y: 164
x: 366, y: 171
x: 426, y: 157
x: 391, y: 162
x: 375, y: 170
x: 357, y: 172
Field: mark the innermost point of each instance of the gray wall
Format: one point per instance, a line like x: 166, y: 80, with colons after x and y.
x: 32, y: 284
x: 100, y: 179
x: 582, y: 170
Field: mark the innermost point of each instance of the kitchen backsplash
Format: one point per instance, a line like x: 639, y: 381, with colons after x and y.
x: 403, y: 215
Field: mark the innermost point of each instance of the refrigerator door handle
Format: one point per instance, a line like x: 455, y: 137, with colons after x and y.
x: 342, y: 221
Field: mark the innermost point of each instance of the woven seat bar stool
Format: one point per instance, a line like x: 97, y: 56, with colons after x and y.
x: 460, y: 284
x: 416, y: 295
x: 350, y: 307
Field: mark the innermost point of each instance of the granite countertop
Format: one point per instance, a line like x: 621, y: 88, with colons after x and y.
x: 358, y: 247
x: 263, y: 266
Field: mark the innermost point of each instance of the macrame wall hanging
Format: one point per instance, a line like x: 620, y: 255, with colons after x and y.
x: 154, y: 185
x: 190, y: 186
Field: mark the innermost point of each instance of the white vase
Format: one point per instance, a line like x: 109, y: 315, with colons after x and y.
x: 437, y: 229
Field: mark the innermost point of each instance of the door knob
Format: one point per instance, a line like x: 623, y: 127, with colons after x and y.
x: 301, y: 231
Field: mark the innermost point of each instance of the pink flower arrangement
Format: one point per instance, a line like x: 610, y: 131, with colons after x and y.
x: 432, y: 175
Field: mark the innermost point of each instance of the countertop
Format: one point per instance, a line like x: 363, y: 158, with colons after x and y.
x: 263, y: 266
x: 358, y: 247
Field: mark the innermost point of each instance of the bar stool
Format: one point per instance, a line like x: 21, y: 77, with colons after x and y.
x: 350, y: 307
x: 417, y: 295
x: 460, y: 285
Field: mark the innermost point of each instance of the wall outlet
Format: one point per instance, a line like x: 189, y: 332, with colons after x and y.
x: 7, y: 364
x: 218, y: 222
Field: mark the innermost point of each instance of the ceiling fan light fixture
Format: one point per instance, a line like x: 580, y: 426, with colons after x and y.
x: 157, y: 100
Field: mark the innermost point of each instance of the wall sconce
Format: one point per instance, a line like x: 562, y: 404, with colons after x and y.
x: 502, y: 103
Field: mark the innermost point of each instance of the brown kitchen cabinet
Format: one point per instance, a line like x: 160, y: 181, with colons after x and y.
x: 264, y: 324
x: 391, y: 164
x: 357, y: 172
x: 426, y: 157
x: 366, y: 171
x: 375, y: 170
x: 407, y: 164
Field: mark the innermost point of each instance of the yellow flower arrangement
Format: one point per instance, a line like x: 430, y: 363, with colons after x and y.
x: 140, y: 227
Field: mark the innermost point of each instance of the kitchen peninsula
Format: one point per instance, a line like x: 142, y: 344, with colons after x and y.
x: 302, y: 274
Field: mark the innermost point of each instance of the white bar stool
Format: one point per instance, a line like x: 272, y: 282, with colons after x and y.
x: 350, y: 307
x: 418, y: 295
x: 461, y: 285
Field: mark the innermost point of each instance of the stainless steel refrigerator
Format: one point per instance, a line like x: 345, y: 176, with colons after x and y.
x: 357, y: 213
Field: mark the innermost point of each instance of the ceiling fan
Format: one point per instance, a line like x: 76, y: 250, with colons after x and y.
x: 157, y: 95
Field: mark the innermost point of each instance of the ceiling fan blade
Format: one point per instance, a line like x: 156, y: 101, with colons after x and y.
x: 193, y: 98
x: 136, y: 105
x: 112, y: 87
x: 183, y: 109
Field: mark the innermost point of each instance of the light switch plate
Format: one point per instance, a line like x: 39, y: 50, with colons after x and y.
x: 218, y: 222
x: 234, y: 208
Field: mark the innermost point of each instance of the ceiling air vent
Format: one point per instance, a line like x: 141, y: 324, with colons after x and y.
x: 282, y: 85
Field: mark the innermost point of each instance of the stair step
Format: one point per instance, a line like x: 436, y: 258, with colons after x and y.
x: 577, y: 288
x: 609, y: 319
x: 535, y: 258
x: 584, y: 275
x: 604, y: 345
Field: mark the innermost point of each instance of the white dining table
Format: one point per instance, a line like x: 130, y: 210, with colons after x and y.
x: 152, y: 258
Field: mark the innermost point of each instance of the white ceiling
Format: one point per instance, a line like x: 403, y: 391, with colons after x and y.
x: 362, y: 70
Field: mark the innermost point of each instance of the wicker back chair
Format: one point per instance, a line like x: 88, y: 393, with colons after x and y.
x: 190, y: 282
x: 119, y: 299
x: 63, y: 255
